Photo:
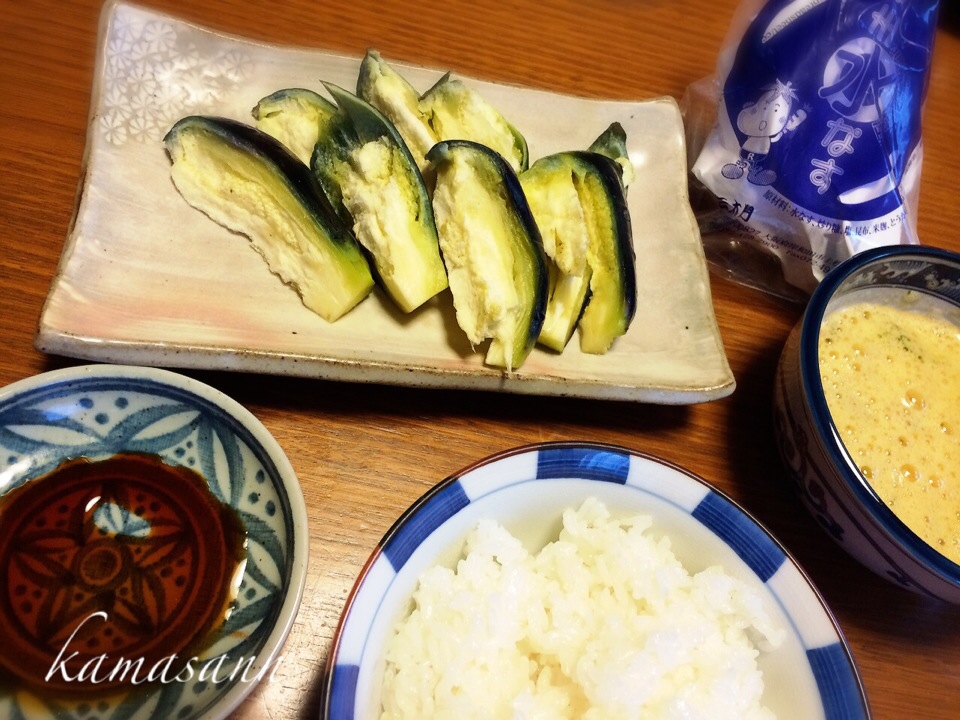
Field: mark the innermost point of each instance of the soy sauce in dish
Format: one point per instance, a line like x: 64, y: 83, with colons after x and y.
x: 123, y: 560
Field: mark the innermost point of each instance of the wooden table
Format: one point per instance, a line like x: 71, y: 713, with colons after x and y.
x: 364, y: 453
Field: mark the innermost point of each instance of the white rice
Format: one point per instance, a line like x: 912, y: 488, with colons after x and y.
x: 604, y: 623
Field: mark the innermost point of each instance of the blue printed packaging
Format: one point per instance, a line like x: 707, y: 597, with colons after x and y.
x: 817, y: 147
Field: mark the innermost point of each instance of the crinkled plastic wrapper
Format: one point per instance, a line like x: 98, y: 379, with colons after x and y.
x: 808, y: 141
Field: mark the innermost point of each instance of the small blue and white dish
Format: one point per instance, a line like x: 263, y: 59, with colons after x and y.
x: 827, y: 479
x: 118, y: 560
x: 811, y: 674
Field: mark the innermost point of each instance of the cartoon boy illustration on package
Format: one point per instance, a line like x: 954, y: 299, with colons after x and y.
x: 764, y: 122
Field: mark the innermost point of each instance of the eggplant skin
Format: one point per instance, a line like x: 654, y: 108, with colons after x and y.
x: 492, y: 249
x: 248, y: 182
x: 612, y: 142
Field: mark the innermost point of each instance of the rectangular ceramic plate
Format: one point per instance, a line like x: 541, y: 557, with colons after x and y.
x: 146, y: 279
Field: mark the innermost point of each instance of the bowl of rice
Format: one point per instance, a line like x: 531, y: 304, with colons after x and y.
x: 573, y: 580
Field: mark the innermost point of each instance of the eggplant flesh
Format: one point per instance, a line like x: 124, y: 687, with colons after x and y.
x: 250, y: 183
x: 388, y: 91
x: 492, y: 250
x: 567, y: 298
x: 455, y: 111
x: 552, y: 192
x: 370, y: 176
x: 296, y: 117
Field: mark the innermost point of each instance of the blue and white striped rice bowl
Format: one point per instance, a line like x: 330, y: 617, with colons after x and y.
x: 811, y: 675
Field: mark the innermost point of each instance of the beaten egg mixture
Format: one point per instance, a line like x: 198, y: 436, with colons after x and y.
x: 892, y: 382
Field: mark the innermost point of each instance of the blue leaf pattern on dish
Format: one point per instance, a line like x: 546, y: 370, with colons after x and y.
x: 98, y: 417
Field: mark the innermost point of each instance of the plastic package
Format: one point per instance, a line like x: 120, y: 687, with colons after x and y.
x: 808, y: 140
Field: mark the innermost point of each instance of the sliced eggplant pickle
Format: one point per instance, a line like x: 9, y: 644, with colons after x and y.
x: 250, y: 183
x: 613, y: 280
x: 390, y: 93
x: 296, y: 117
x: 450, y: 110
x: 578, y: 201
x: 492, y: 250
x: 551, y: 188
x: 368, y: 173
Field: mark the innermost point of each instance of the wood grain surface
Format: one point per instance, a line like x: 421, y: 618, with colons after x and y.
x: 364, y: 453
